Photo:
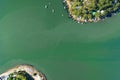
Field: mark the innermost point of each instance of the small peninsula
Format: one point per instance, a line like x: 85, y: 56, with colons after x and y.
x: 91, y: 10
x: 22, y: 72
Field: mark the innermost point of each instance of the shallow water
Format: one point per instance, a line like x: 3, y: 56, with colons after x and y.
x: 56, y: 45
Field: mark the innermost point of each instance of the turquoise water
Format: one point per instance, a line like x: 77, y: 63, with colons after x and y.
x: 56, y: 45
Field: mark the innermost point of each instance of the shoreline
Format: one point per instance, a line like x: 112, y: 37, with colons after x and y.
x: 27, y: 68
x: 67, y: 4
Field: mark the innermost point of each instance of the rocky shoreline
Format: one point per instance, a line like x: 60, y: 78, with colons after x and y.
x: 36, y: 75
x: 78, y: 20
x: 68, y: 5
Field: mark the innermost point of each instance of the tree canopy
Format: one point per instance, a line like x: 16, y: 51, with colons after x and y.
x: 21, y: 75
x: 89, y: 9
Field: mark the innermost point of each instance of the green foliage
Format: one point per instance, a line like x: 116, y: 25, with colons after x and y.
x: 85, y: 8
x: 21, y: 75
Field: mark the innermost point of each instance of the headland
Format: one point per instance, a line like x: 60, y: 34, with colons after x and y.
x: 22, y: 72
x: 91, y: 10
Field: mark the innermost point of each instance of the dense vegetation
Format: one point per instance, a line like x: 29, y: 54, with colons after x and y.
x: 94, y: 9
x: 21, y: 75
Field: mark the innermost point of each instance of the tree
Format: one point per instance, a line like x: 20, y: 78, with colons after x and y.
x: 97, y: 15
x: 89, y: 16
x: 20, y: 75
x: 101, y: 8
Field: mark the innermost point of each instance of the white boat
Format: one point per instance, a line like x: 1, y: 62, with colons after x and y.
x: 53, y: 10
x: 46, y: 6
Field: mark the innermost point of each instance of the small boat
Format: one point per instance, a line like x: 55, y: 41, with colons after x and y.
x: 46, y: 6
x: 53, y: 10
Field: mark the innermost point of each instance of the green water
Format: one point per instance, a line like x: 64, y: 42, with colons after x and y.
x: 54, y: 44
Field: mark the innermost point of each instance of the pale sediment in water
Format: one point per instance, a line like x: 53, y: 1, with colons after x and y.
x: 36, y: 75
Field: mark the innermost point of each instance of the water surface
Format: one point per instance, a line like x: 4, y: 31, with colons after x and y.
x: 56, y: 45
